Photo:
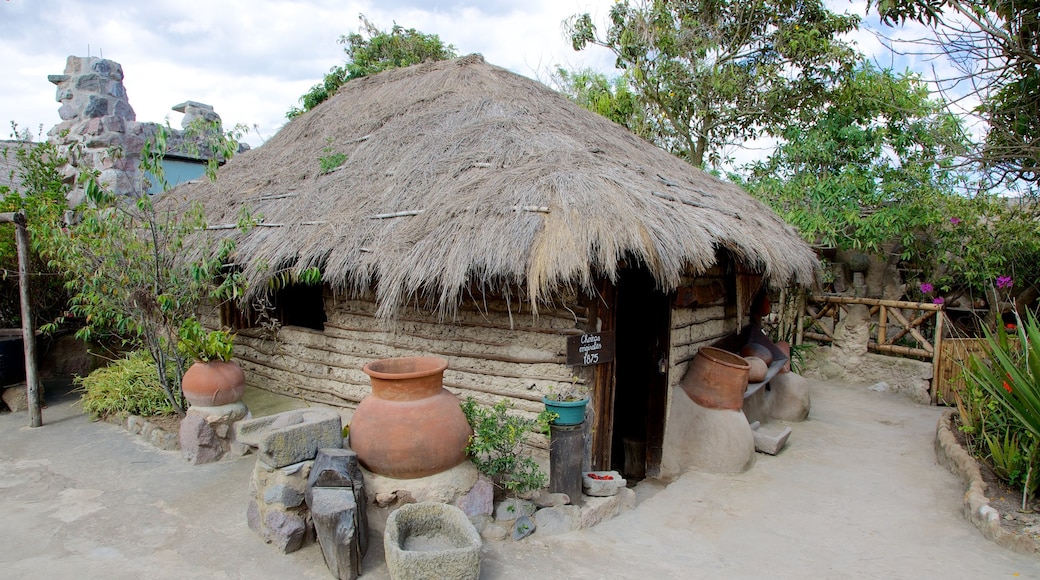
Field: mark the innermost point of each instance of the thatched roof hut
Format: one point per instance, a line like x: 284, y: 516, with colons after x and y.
x: 462, y: 175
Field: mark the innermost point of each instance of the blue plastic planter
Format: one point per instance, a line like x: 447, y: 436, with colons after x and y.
x: 570, y: 412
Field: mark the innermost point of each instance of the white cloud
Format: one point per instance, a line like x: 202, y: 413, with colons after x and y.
x: 252, y: 59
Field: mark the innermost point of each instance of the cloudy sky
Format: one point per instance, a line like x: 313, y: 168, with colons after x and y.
x: 252, y: 59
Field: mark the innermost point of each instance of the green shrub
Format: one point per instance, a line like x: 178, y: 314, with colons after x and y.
x: 1009, y: 377
x: 128, y: 386
x: 496, y: 446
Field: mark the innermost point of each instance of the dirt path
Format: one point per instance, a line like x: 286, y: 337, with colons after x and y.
x: 857, y: 493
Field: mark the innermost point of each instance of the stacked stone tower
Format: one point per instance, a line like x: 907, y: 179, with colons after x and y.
x: 99, y: 129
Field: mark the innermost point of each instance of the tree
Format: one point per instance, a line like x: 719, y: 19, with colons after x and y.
x: 875, y: 167
x: 125, y: 269
x: 40, y: 192
x: 611, y: 98
x: 714, y: 73
x: 372, y: 51
x: 996, y: 46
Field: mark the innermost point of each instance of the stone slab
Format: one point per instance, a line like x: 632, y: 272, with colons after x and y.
x: 292, y: 436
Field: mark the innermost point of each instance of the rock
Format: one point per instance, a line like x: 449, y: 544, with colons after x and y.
x: 199, y: 444
x: 480, y: 522
x: 557, y: 520
x: 284, y: 530
x: 284, y: 496
x: 790, y: 400
x: 592, y: 486
x: 493, y: 532
x: 442, y: 487
x: 134, y: 424
x: 512, y: 508
x: 880, y: 387
x: 222, y: 418
x: 16, y: 398
x: 769, y: 443
x: 335, y: 467
x: 334, y: 513
x: 523, y: 527
x: 338, y: 469
x: 479, y: 500
x: 253, y: 517
x: 292, y: 436
x: 431, y: 540
x: 545, y: 499
x: 601, y: 509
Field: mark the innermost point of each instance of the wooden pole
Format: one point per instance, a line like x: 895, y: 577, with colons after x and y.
x: 32, y: 385
x: 937, y: 359
x: 877, y: 302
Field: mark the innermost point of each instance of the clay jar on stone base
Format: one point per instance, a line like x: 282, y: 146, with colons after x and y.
x: 716, y: 379
x: 213, y: 383
x: 410, y: 426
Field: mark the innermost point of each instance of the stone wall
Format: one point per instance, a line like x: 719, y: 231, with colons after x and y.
x: 99, y: 129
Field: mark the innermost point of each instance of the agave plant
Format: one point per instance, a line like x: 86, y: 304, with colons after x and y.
x: 1010, y: 373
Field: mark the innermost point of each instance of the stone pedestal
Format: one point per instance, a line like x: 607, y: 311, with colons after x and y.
x: 566, y: 451
x: 206, y: 433
x: 277, y: 511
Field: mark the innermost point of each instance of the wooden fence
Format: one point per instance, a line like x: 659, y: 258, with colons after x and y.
x: 897, y: 327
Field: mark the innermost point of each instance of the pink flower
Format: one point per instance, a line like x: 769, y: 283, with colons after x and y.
x: 955, y: 220
x: 938, y: 300
x: 1005, y: 282
x: 927, y: 288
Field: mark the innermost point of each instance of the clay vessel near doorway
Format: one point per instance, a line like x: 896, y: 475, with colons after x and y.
x: 716, y: 379
x: 213, y: 383
x: 410, y: 426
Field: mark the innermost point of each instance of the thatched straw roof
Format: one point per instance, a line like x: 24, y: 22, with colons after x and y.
x: 460, y: 174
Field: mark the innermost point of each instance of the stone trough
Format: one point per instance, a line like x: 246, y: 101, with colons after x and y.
x: 431, y: 540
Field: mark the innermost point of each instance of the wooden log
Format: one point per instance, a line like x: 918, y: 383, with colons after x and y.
x: 882, y: 329
x: 908, y: 327
x: 937, y: 355
x: 904, y: 350
x: 817, y: 336
x: 32, y: 382
x: 566, y: 451
x: 876, y: 302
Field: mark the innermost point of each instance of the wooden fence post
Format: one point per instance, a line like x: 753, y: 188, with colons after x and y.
x: 32, y: 384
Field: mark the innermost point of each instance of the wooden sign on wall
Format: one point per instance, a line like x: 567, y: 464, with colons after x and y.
x: 590, y: 349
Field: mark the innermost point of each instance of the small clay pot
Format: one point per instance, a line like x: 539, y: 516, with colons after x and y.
x: 757, y: 350
x: 758, y: 370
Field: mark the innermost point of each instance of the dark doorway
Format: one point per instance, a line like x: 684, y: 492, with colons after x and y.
x: 641, y: 367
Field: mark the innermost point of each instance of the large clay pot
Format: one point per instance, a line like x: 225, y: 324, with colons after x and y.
x: 213, y: 383
x: 716, y: 379
x: 410, y: 426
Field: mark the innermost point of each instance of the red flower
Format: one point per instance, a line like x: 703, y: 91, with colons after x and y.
x: 1007, y: 387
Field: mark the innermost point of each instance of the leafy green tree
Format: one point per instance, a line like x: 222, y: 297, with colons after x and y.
x: 715, y: 73
x: 996, y: 45
x: 126, y: 272
x: 371, y: 51
x: 876, y: 166
x: 41, y: 194
x: 612, y: 98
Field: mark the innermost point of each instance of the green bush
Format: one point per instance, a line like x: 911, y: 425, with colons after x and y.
x: 1003, y: 406
x: 496, y: 446
x: 128, y: 386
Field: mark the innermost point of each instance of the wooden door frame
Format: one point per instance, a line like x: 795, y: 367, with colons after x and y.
x: 604, y: 379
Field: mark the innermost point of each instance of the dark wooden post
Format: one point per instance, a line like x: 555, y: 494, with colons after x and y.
x: 32, y: 385
x: 566, y: 452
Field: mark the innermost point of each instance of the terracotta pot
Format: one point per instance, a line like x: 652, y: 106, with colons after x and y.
x: 213, y: 383
x: 410, y: 426
x: 758, y: 369
x: 716, y: 379
x: 758, y: 350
